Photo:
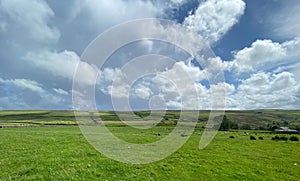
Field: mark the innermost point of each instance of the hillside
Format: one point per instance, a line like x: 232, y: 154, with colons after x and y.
x: 256, y: 119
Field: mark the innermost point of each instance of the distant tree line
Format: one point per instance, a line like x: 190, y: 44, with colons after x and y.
x: 228, y: 124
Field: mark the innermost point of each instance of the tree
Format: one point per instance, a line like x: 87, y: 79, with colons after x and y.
x: 228, y: 124
x: 234, y: 125
x: 285, y: 123
x: 272, y: 128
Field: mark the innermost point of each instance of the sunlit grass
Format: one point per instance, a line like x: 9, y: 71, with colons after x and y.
x: 62, y: 153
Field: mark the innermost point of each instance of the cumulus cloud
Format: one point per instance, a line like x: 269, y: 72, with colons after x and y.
x: 32, y: 19
x: 103, y: 14
x: 260, y: 52
x: 267, y: 90
x: 215, y: 66
x: 64, y: 64
x: 110, y: 82
x: 214, y: 18
x: 142, y: 91
x: 270, y: 75
x: 179, y: 86
x: 266, y: 54
x: 292, y: 68
x: 173, y: 85
x: 182, y: 78
x: 263, y: 75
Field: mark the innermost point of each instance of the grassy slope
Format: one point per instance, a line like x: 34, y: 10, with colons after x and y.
x: 61, y: 153
x: 36, y: 118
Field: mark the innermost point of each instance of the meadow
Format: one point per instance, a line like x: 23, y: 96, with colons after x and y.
x: 47, y: 145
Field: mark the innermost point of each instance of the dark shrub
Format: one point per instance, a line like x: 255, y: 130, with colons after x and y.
x: 260, y: 138
x: 252, y: 138
x: 231, y: 137
x: 294, y: 138
x: 283, y: 138
x: 275, y: 138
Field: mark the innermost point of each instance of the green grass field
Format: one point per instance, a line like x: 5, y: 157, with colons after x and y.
x: 46, y: 152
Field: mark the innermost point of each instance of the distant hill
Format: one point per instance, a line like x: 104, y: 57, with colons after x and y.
x: 254, y: 119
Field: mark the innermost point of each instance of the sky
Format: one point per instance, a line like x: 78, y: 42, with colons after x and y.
x: 256, y: 46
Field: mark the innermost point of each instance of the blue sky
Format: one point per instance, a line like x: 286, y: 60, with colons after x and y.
x: 256, y: 44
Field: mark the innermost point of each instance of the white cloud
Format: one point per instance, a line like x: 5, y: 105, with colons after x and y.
x: 171, y: 4
x: 260, y: 52
x: 178, y: 2
x: 179, y: 86
x: 215, y: 66
x: 173, y: 85
x: 167, y: 88
x: 182, y: 72
x: 214, y: 18
x: 29, y: 94
x: 103, y: 14
x: 142, y: 91
x: 222, y: 89
x: 24, y: 84
x: 108, y: 74
x: 117, y: 91
x: 267, y: 90
x: 30, y: 18
x: 271, y: 79
x: 269, y: 70
x: 59, y: 64
x: 183, y: 77
x: 60, y: 91
x: 266, y: 54
x: 292, y: 47
x: 293, y: 68
x: 110, y: 82
x: 64, y: 64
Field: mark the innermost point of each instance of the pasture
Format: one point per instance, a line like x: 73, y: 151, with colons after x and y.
x: 47, y: 145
